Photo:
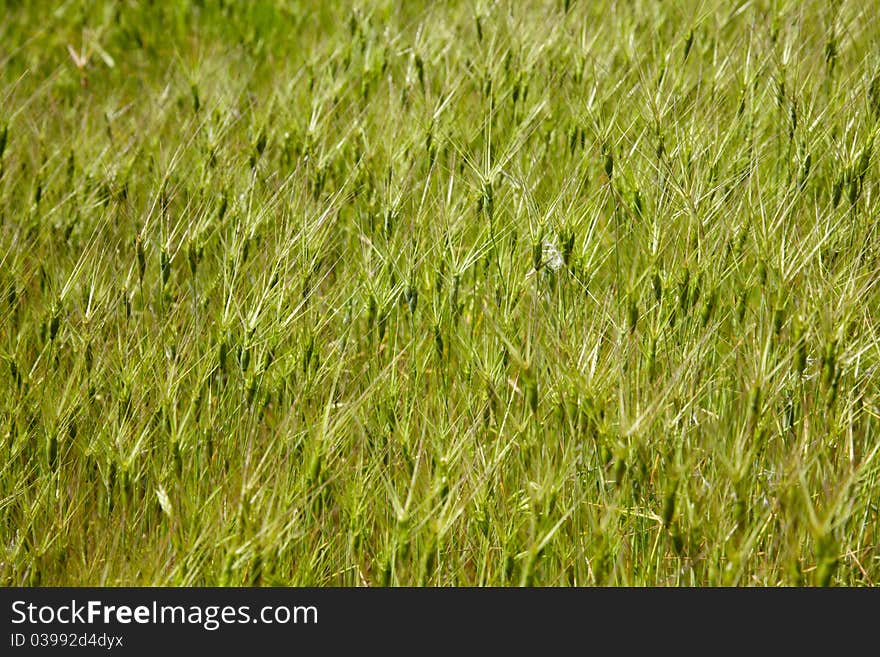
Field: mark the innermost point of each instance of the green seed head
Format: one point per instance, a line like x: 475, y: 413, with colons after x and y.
x: 54, y: 321
x: 657, y: 285
x: 194, y: 92
x: 141, y: 257
x: 688, y: 42
x: 755, y: 400
x: 224, y: 205
x: 778, y: 320
x: 438, y: 341
x: 165, y: 265
x: 684, y: 290
x: 530, y: 383
x: 609, y: 161
x: 566, y: 237
x: 260, y: 144
x: 669, y: 503
x: 637, y: 202
x: 412, y: 297
x: 193, y: 256
x: 652, y: 359
x: 632, y: 314
x: 537, y: 255
x: 829, y: 363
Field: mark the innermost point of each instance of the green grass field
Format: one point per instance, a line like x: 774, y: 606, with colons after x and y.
x: 472, y: 293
